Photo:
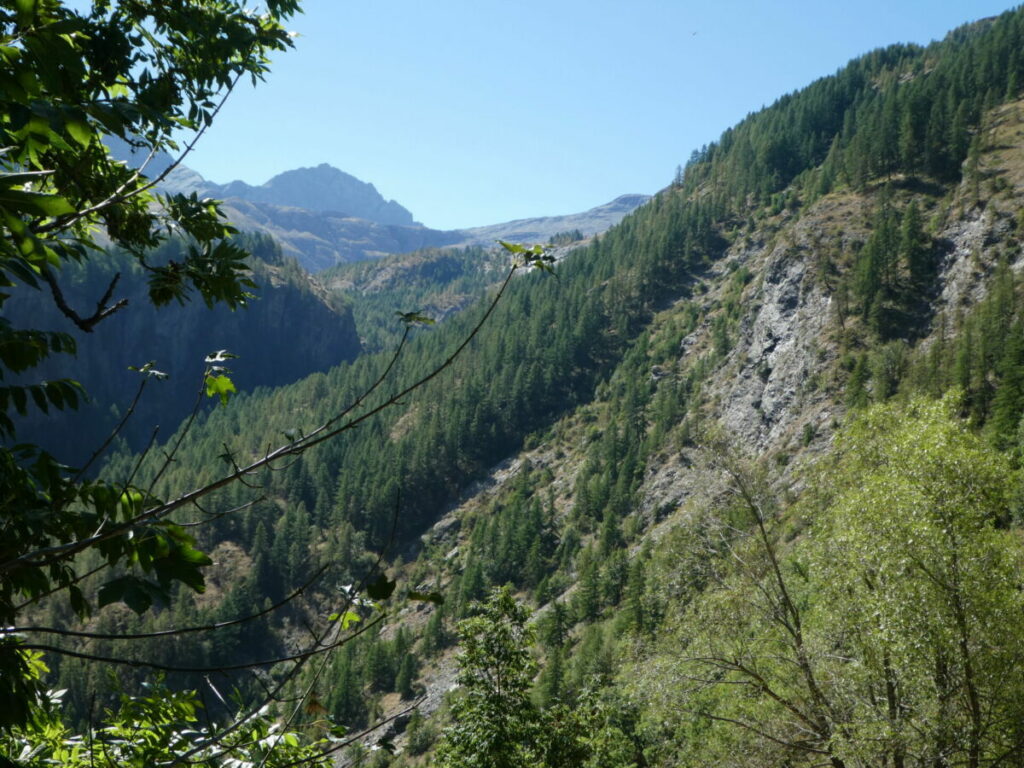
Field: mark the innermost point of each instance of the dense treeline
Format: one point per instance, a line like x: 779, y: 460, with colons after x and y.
x: 904, y: 109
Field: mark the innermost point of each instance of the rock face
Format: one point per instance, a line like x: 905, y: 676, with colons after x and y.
x: 781, y: 344
x: 323, y: 188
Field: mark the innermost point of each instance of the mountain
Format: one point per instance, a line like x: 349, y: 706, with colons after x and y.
x: 323, y: 216
x: 323, y: 188
x: 753, y: 455
x: 320, y: 216
x: 322, y: 239
x: 289, y: 329
x: 542, y: 229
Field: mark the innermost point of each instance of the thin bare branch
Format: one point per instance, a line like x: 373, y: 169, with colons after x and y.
x: 314, y: 651
x: 178, y: 630
x: 102, y: 312
x: 113, y: 434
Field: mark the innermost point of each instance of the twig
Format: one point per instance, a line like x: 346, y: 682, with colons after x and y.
x: 177, y: 631
x: 102, y: 310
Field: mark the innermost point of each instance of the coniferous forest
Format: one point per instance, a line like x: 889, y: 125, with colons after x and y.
x: 736, y: 482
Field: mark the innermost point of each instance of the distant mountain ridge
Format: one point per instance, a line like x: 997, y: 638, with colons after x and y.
x: 323, y: 188
x: 542, y: 228
x: 322, y: 239
x: 323, y: 217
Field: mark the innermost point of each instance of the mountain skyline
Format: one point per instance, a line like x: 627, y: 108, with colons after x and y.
x: 469, y: 114
x: 323, y: 216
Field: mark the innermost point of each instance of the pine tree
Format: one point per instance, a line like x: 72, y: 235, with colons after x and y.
x: 1008, y: 404
x: 913, y: 246
x: 406, y: 676
x: 857, y: 395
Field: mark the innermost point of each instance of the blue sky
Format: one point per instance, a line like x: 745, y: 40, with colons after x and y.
x: 472, y: 112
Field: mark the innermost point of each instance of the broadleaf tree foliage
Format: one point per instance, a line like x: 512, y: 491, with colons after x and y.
x: 140, y: 72
x: 494, y: 720
x: 888, y: 634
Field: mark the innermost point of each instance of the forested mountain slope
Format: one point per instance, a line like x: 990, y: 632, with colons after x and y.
x: 753, y: 454
x: 321, y: 239
x: 289, y: 329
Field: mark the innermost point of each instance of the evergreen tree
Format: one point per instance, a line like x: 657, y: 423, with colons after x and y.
x: 406, y: 676
x: 914, y: 247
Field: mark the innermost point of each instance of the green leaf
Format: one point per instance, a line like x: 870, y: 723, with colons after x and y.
x: 26, y: 11
x: 78, y: 602
x: 21, y: 270
x: 130, y: 590
x: 39, y: 395
x: 20, y: 399
x: 80, y: 131
x: 34, y: 203
x: 131, y: 504
x: 182, y: 563
x: 220, y: 386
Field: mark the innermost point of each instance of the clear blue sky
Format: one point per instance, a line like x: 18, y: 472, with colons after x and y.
x: 472, y: 112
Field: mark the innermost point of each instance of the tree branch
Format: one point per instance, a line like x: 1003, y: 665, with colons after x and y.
x: 102, y: 312
x: 172, y: 632
x: 314, y: 651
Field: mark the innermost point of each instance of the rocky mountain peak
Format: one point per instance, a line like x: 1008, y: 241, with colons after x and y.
x: 322, y: 188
